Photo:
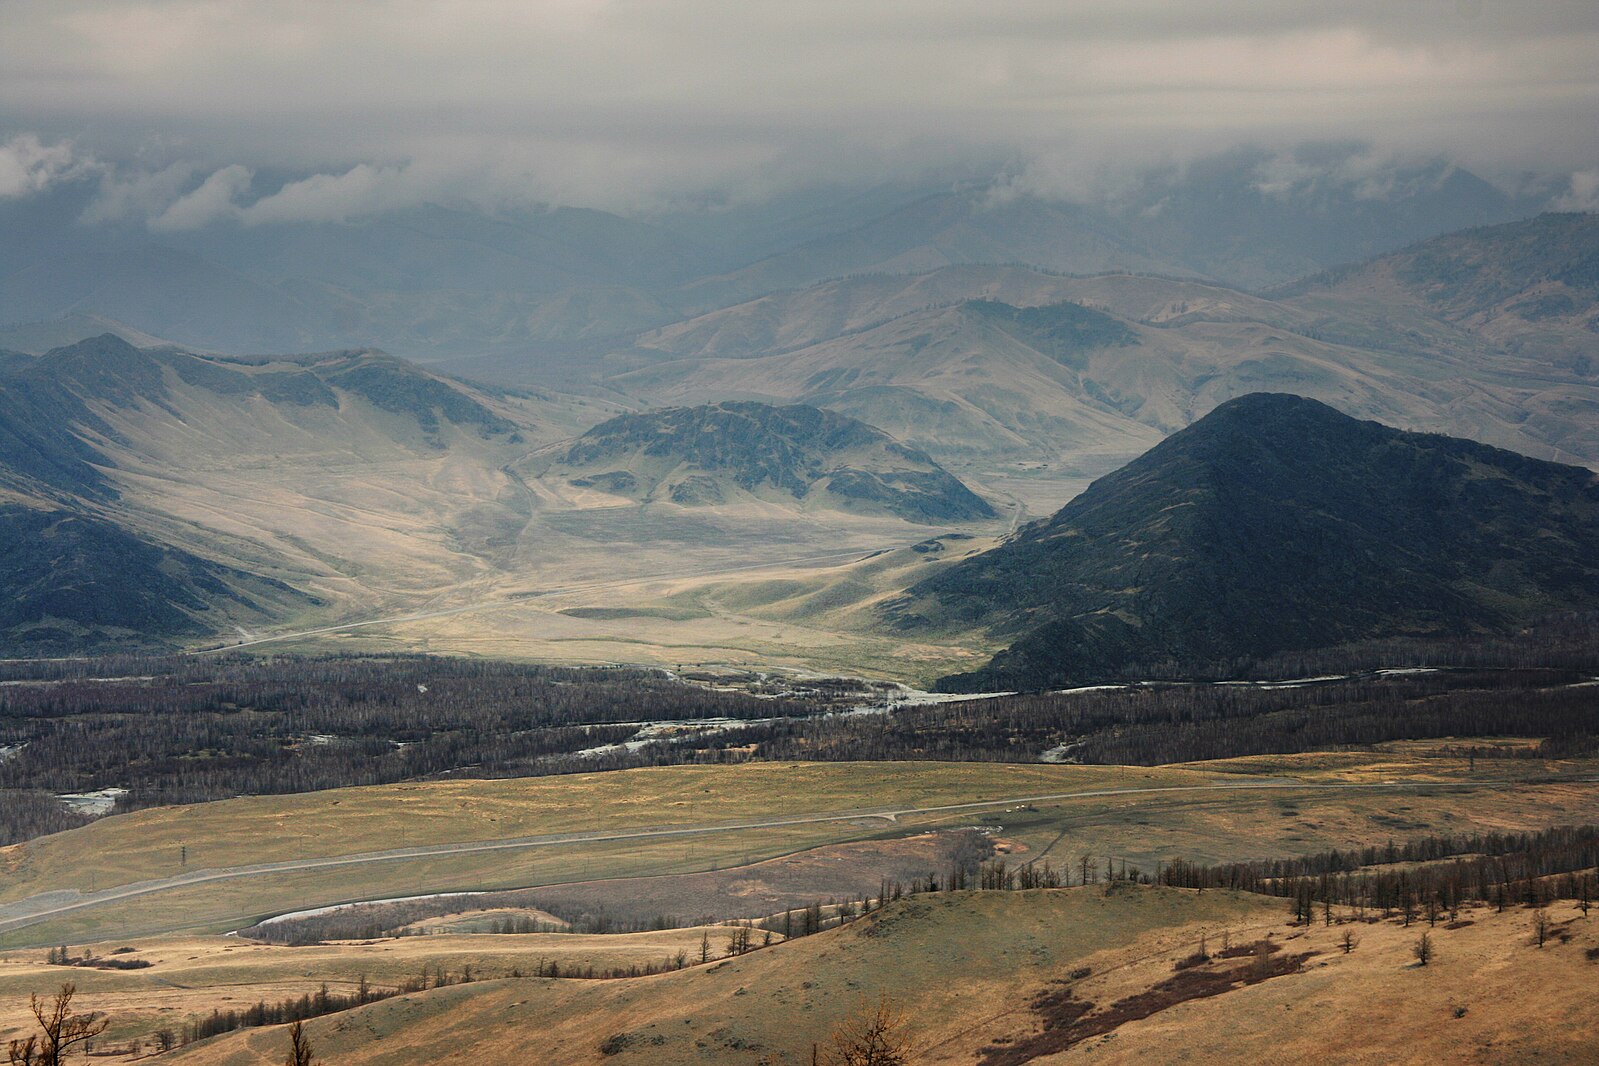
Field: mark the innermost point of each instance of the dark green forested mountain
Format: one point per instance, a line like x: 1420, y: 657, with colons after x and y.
x: 707, y: 454
x: 74, y: 580
x: 1274, y: 524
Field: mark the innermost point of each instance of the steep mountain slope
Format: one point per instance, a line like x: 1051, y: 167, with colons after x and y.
x: 145, y: 486
x: 1528, y: 289
x: 1274, y: 524
x: 75, y: 581
x: 712, y: 454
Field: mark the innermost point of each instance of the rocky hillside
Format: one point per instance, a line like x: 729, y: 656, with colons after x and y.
x: 716, y: 453
x: 1273, y: 524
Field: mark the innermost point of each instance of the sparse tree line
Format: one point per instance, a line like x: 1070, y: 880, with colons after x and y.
x: 1149, y: 725
x: 1434, y: 875
x: 204, y: 730
x: 374, y: 921
x: 184, y: 731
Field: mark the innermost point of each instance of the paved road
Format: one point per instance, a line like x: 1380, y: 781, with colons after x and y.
x: 42, y: 907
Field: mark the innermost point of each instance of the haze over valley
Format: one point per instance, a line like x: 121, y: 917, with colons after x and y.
x: 616, y: 533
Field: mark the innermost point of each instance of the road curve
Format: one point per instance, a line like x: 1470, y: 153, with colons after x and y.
x: 44, y: 906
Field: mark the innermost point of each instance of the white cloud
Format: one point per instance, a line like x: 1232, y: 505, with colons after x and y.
x: 138, y: 194
x: 215, y: 199
x: 628, y: 103
x: 27, y: 165
x: 1583, y: 195
x: 361, y: 190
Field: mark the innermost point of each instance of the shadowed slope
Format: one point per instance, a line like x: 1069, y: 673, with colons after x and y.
x: 1274, y: 524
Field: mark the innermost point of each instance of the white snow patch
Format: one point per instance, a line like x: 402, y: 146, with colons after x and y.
x: 316, y: 911
x: 96, y: 803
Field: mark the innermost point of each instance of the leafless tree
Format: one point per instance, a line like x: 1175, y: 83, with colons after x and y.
x: 1348, y: 941
x: 60, y: 1030
x: 300, y: 1053
x: 872, y: 1036
x: 1423, y: 949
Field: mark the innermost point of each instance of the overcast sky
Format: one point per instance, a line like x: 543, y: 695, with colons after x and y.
x: 184, y: 110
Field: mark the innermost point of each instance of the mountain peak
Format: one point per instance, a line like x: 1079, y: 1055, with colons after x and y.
x: 1276, y: 524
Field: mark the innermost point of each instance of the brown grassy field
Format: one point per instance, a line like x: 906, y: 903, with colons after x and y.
x: 191, y: 976
x: 1045, y: 976
x: 1180, y: 817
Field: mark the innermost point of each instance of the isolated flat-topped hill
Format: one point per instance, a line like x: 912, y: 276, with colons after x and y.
x: 1274, y: 524
x: 716, y: 453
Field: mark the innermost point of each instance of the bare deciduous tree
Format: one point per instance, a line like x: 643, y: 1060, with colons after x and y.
x: 872, y: 1036
x: 61, y: 1030
x: 300, y: 1053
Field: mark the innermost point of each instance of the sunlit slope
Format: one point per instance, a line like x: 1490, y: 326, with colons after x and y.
x: 349, y: 478
x: 953, y: 961
x: 126, y: 875
x: 987, y: 978
x: 189, y: 977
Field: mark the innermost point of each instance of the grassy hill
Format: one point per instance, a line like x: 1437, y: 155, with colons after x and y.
x: 1019, y: 977
x: 705, y: 455
x: 1273, y: 524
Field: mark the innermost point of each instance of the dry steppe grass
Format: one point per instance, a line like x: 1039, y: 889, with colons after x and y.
x: 976, y: 974
x: 191, y: 976
x: 1181, y: 815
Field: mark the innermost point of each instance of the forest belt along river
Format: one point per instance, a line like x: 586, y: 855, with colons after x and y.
x: 52, y: 904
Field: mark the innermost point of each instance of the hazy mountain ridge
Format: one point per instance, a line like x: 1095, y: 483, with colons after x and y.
x: 1274, y: 524
x: 1528, y: 289
x: 903, y: 353
x: 696, y: 456
x: 450, y: 281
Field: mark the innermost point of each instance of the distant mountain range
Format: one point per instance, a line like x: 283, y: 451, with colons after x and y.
x: 718, y: 453
x: 546, y: 290
x: 1273, y: 524
x: 1222, y: 221
x: 1488, y: 334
